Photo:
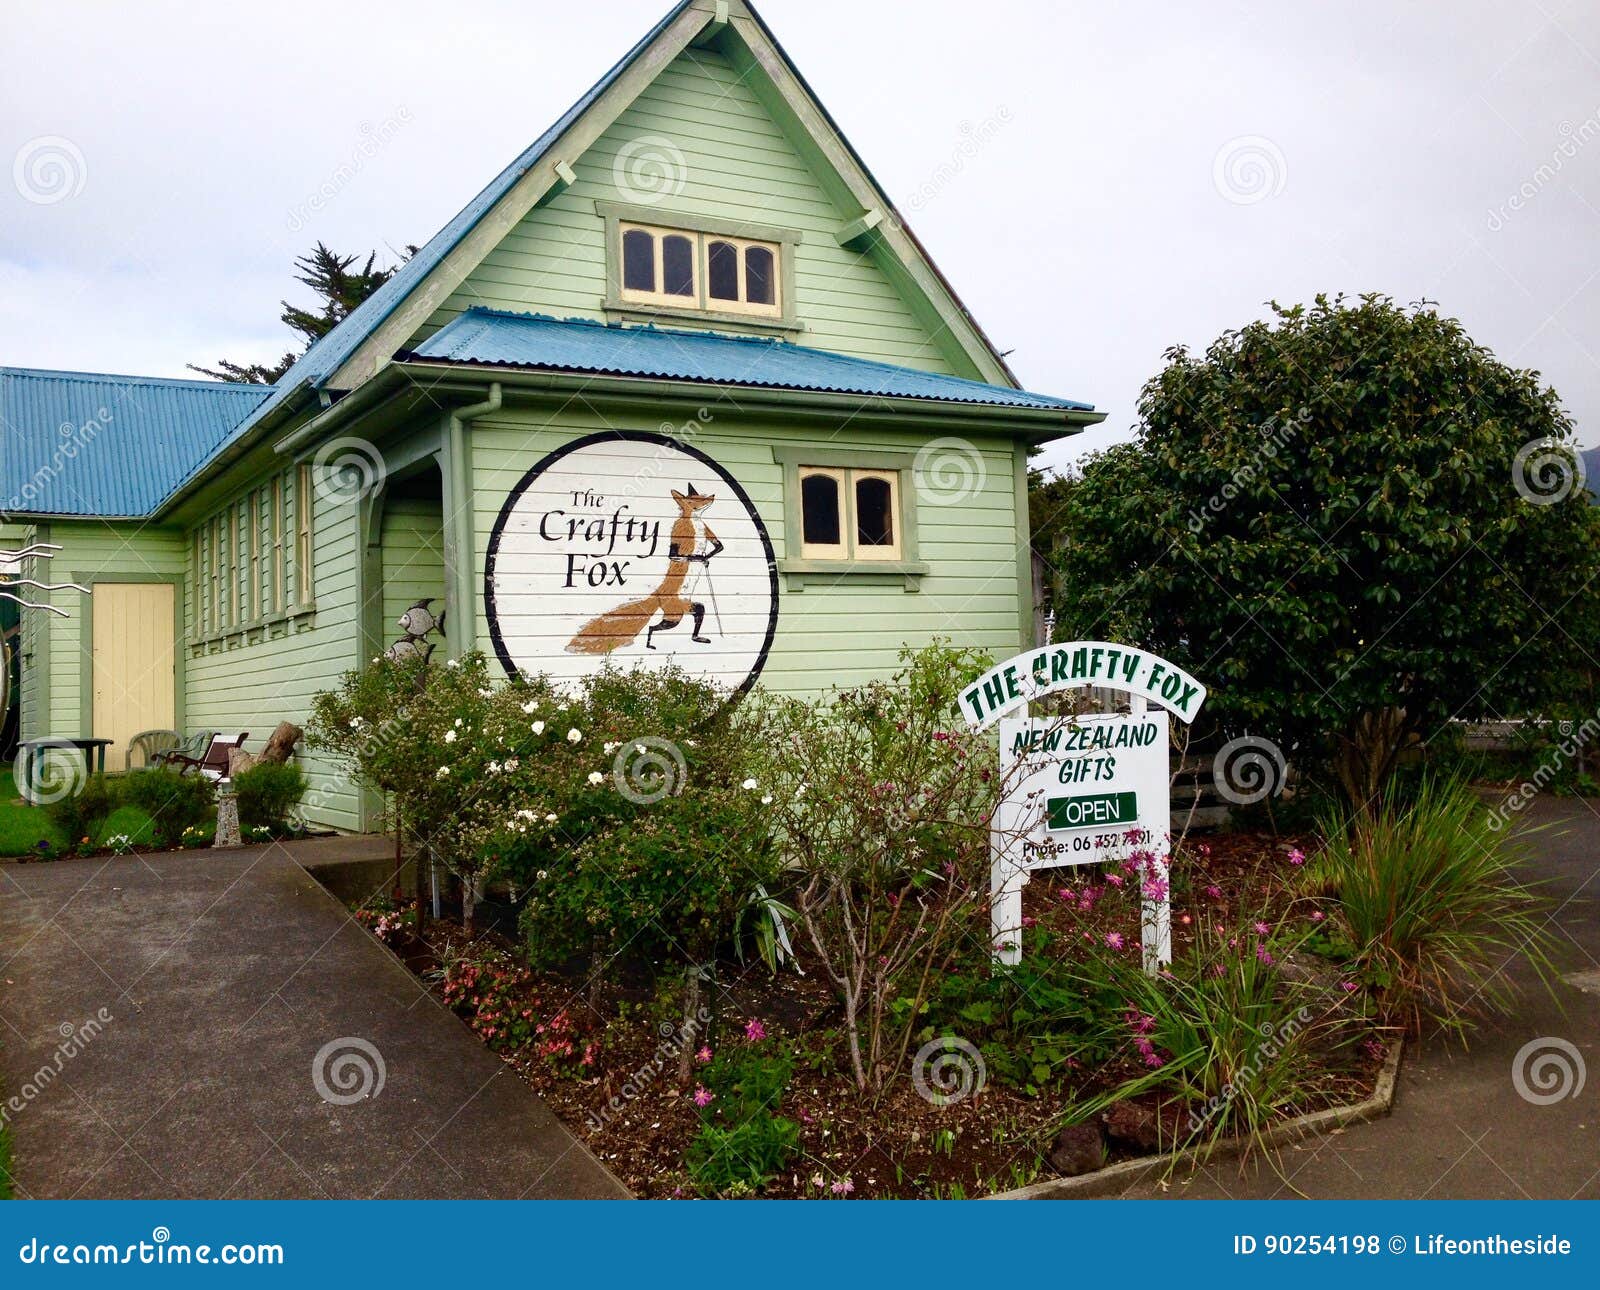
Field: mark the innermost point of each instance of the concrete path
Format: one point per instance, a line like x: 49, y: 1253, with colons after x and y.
x: 1459, y: 1128
x: 161, y: 1021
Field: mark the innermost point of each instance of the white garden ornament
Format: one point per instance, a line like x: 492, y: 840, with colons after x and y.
x: 1082, y: 789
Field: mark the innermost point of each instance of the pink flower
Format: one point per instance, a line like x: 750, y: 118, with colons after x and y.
x: 843, y: 1187
x: 1154, y: 1059
x: 1214, y: 892
x: 1317, y: 915
x: 1348, y: 986
x: 703, y: 1096
x: 703, y: 1056
x: 1028, y: 920
x: 1115, y: 879
x: 1114, y: 940
x: 1185, y: 919
x: 754, y: 1030
x: 1263, y: 956
x: 1297, y: 856
x: 1263, y: 929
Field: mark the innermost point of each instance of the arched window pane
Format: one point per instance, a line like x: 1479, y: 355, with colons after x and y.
x: 758, y: 284
x: 819, y: 510
x: 874, y: 513
x: 638, y: 260
x: 722, y: 271
x: 677, y: 266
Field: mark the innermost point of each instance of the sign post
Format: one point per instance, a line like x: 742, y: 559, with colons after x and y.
x: 1082, y: 790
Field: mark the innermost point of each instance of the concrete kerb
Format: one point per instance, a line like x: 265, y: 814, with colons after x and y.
x: 1117, y: 1178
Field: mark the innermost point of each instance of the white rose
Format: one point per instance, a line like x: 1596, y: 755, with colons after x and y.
x: 442, y: 773
x: 595, y: 777
x: 449, y: 736
x: 538, y: 727
x: 574, y: 735
x: 749, y: 783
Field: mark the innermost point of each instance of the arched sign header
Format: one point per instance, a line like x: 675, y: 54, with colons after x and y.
x: 1052, y: 668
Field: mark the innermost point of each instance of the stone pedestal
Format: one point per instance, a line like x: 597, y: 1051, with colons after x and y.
x: 227, y: 817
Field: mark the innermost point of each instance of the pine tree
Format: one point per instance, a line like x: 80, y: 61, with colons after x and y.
x: 329, y: 275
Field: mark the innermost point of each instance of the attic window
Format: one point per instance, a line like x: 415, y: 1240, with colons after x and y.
x: 698, y: 270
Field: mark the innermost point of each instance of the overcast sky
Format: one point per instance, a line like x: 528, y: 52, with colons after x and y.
x: 1149, y: 174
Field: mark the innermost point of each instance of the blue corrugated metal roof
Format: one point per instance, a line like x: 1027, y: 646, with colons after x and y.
x: 79, y: 443
x: 329, y: 353
x: 489, y: 337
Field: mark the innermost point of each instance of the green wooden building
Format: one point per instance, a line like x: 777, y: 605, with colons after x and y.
x: 678, y: 384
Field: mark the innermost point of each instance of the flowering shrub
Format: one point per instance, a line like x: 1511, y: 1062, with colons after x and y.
x: 883, y: 808
x: 502, y: 1003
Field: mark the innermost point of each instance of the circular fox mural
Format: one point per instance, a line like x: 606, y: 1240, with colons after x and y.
x: 632, y: 549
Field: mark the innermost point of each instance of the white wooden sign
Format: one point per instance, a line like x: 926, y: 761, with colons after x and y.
x: 633, y: 549
x: 1090, y: 789
x: 1082, y: 790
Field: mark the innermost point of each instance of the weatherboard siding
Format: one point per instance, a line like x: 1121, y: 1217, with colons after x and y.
x: 413, y: 560
x: 89, y: 550
x: 838, y: 632
x: 737, y: 165
x: 253, y: 680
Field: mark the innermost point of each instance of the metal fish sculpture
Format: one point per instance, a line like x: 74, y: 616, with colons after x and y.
x: 419, y: 620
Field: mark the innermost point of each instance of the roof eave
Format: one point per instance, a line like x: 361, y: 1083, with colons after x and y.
x: 1041, y: 423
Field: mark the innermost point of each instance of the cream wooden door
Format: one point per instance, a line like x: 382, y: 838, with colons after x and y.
x: 133, y: 663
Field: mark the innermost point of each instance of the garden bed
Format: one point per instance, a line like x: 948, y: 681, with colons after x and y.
x: 604, y: 1059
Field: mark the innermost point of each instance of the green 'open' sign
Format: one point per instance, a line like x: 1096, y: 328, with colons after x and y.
x: 1090, y: 810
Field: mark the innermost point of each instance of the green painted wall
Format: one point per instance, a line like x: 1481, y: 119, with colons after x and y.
x: 253, y: 680
x: 737, y: 165
x: 413, y: 558
x: 827, y: 635
x: 57, y: 702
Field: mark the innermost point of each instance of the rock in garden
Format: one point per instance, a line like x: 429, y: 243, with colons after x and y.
x: 1077, y: 1149
x: 1144, y: 1125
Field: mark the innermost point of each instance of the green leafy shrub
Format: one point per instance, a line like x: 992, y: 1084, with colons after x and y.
x: 742, y: 1143
x: 267, y: 793
x: 176, y: 804
x: 82, y: 817
x: 1427, y: 890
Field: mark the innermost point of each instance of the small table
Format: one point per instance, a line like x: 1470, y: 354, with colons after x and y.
x: 31, y: 754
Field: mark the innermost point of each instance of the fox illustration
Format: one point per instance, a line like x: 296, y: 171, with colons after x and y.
x: 692, y: 546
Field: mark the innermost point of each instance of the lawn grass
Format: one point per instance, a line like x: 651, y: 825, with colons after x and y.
x: 22, y: 827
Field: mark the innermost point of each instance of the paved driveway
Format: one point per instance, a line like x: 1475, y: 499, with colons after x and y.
x: 160, y: 1026
x: 1459, y: 1128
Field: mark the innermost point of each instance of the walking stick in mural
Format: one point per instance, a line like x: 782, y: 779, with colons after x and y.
x: 688, y: 566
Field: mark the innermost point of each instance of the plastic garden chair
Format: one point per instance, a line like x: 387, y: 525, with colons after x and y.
x: 149, y: 745
x: 194, y: 746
